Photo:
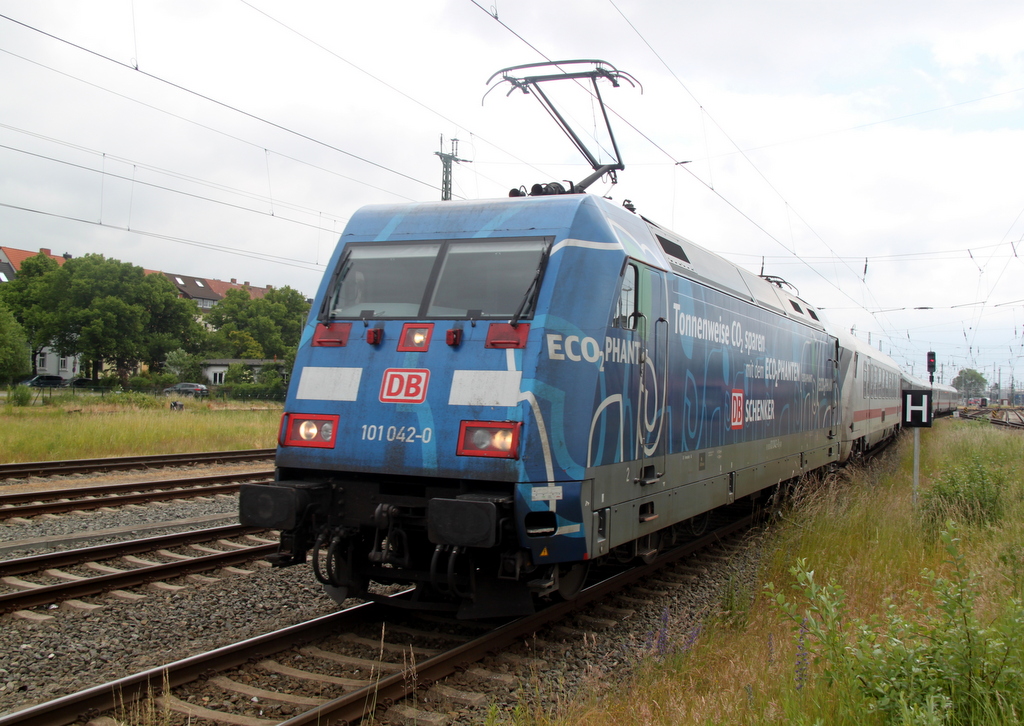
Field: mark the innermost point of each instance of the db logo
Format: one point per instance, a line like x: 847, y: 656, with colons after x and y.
x: 736, y: 409
x: 404, y: 385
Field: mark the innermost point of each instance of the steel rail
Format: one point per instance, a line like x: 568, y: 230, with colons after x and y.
x: 65, y: 558
x: 81, y: 466
x: 71, y: 505
x: 86, y: 704
x: 47, y: 594
x: 354, y: 705
x: 43, y: 495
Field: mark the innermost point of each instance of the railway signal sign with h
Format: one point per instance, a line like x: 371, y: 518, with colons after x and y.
x: 917, y: 408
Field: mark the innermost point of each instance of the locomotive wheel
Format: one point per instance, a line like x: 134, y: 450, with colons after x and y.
x: 699, y: 523
x: 572, y: 579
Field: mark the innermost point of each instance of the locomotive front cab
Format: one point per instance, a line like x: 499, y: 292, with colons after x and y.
x: 408, y: 421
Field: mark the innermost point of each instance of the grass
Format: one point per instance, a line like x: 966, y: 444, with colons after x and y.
x: 871, y: 610
x: 76, y: 426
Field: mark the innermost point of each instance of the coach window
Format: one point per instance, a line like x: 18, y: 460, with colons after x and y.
x: 624, y: 312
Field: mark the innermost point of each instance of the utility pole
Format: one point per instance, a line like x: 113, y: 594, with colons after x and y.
x: 446, y: 168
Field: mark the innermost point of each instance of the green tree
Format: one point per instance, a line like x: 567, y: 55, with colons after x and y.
x: 113, y: 311
x: 271, y: 374
x: 273, y: 322
x: 288, y: 309
x: 238, y: 373
x: 970, y: 383
x: 33, y: 297
x: 243, y: 345
x: 14, y: 357
x: 186, y: 366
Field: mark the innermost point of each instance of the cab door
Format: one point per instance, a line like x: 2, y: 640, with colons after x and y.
x: 644, y: 309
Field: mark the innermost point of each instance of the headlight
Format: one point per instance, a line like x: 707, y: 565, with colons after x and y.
x: 489, y: 438
x: 415, y: 337
x: 307, y: 431
x: 316, y: 430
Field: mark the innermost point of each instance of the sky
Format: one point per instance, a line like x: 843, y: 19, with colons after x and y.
x: 869, y: 153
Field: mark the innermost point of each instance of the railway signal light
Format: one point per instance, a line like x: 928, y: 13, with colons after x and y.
x: 931, y: 361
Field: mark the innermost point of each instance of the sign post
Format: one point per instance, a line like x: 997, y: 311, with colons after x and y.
x: 917, y: 414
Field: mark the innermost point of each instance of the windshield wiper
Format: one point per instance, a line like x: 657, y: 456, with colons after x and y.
x: 514, y: 322
x: 333, y: 288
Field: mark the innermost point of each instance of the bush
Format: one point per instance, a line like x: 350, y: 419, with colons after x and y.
x: 110, y: 381
x: 270, y: 376
x: 19, y: 396
x: 151, y: 381
x: 257, y: 391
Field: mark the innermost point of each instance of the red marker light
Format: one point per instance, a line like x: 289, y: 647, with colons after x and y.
x: 504, y: 335
x: 332, y: 334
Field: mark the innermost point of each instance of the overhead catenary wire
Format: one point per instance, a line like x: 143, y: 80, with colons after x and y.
x: 677, y: 162
x: 750, y: 162
x: 889, y: 329
x: 185, y: 119
x: 222, y: 104
x: 305, y: 37
x: 172, y: 238
x: 104, y: 174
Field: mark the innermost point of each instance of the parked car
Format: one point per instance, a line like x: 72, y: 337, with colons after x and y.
x: 77, y: 382
x: 187, y: 389
x: 41, y: 381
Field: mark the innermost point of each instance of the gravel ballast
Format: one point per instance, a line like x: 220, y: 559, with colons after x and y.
x: 40, y: 661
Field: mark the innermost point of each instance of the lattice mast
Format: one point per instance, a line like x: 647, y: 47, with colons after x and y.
x: 446, y: 167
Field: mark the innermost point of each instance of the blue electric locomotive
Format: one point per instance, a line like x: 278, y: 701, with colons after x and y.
x: 488, y: 395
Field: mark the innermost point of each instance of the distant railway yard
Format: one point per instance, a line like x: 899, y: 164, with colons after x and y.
x: 999, y: 416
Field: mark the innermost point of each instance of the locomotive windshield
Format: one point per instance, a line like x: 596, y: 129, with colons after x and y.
x: 450, y: 279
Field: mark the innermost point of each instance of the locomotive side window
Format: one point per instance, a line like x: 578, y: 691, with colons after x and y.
x: 624, y: 311
x: 487, y: 276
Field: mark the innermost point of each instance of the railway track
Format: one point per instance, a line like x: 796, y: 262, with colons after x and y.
x: 1005, y: 417
x: 56, y: 501
x: 319, y: 676
x: 50, y: 584
x: 86, y: 466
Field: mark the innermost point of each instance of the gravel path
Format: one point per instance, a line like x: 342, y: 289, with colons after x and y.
x: 40, y: 661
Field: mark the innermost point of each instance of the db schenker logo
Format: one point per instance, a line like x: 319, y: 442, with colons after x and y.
x: 736, y: 409
x: 404, y: 385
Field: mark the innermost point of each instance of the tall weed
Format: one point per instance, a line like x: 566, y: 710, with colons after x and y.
x: 939, y: 664
x: 970, y: 493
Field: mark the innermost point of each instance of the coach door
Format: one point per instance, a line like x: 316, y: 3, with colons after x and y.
x: 649, y: 319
